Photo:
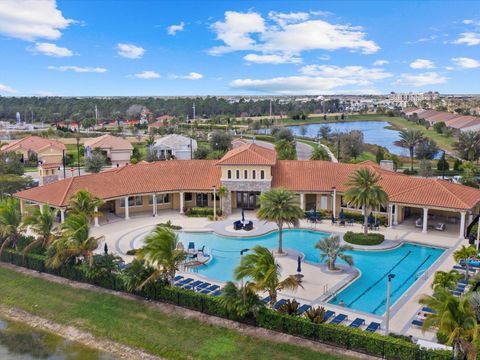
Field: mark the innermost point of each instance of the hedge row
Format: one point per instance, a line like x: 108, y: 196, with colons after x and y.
x: 201, y: 212
x: 362, y: 239
x: 336, y: 335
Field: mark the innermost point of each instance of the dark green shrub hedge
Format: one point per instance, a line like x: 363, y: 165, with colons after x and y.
x: 201, y: 212
x: 362, y: 239
x: 358, y: 217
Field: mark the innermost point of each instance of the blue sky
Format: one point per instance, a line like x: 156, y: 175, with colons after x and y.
x: 238, y: 47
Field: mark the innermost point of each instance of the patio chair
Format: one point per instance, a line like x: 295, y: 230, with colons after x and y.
x: 417, y: 322
x: 428, y: 310
x: 339, y: 319
x: 204, y: 285
x: 303, y: 308
x: 177, y: 278
x: 216, y: 293
x: 206, y: 292
x: 350, y: 222
x: 191, y: 247
x: 266, y: 300
x: 237, y: 225
x: 342, y: 222
x: 328, y: 315
x: 357, y: 323
x: 373, y: 326
x: 194, y: 284
x: 419, y: 223
x: 279, y: 304
x: 440, y: 227
x: 183, y: 282
x: 213, y: 288
x: 248, y: 226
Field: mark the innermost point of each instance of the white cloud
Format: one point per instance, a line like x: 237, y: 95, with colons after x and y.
x: 468, y: 38
x: 173, y: 29
x: 288, y: 33
x: 7, y: 89
x: 351, y: 72
x: 50, y: 49
x: 272, y: 59
x: 130, y: 51
x: 32, y: 19
x: 78, y: 69
x: 466, y: 63
x: 422, y: 64
x: 380, y: 62
x: 423, y: 79
x: 467, y: 22
x: 148, y: 74
x: 423, y: 39
x: 449, y: 68
x: 190, y: 76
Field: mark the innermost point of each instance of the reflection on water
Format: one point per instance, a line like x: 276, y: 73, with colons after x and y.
x: 21, y: 342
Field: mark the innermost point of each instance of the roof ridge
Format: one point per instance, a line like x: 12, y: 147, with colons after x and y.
x: 410, y: 189
x: 442, y: 185
x: 67, y: 189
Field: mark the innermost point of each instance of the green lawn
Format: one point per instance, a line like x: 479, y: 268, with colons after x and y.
x: 138, y: 325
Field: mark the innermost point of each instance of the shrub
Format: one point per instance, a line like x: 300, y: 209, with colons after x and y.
x: 132, y: 252
x: 362, y: 239
x: 169, y: 225
x: 201, y: 212
x: 410, y: 172
x: 358, y: 217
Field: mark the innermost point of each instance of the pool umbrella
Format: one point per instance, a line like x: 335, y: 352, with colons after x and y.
x: 341, y: 215
x: 370, y: 218
x: 243, y: 215
x: 299, y: 264
x: 105, y: 248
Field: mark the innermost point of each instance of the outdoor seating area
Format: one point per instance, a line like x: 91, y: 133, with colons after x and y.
x: 239, y: 225
x: 198, y: 286
x: 439, y: 226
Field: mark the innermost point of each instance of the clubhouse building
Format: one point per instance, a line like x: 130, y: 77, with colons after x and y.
x: 245, y: 172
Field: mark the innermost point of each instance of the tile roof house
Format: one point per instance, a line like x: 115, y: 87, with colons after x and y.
x: 117, y: 149
x: 177, y: 146
x: 47, y: 150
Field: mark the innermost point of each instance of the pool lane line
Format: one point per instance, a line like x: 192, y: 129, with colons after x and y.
x: 404, y: 282
x: 378, y: 281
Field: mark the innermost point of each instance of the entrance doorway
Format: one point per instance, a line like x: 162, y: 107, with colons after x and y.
x: 248, y: 200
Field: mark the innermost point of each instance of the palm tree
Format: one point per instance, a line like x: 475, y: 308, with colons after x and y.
x: 280, y: 207
x: 160, y: 251
x: 463, y: 254
x: 263, y: 273
x: 468, y: 145
x: 364, y: 191
x: 221, y: 192
x: 40, y: 222
x: 85, y: 202
x: 454, y: 317
x: 409, y: 138
x: 10, y: 220
x: 446, y: 280
x: 319, y: 153
x: 331, y: 250
x: 316, y: 314
x: 75, y: 241
x: 239, y: 301
x: 135, y: 274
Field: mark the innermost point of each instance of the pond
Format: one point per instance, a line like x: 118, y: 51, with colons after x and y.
x: 22, y: 342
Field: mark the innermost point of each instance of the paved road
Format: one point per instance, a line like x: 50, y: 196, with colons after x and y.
x: 303, y: 150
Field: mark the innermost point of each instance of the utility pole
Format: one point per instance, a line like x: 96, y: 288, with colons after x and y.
x: 193, y: 107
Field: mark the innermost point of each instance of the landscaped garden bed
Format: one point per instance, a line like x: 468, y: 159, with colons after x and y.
x: 362, y: 239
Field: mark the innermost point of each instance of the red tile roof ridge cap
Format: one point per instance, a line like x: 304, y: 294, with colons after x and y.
x: 67, y: 190
x: 243, y: 148
x: 442, y: 182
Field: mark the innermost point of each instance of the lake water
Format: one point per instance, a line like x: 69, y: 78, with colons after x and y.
x: 21, y: 342
x: 374, y: 132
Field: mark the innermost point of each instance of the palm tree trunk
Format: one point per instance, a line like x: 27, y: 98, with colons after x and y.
x: 280, y: 239
x: 411, y: 158
x: 273, y: 298
x: 365, y: 221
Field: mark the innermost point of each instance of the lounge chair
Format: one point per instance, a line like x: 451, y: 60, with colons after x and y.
x: 357, y: 323
x: 417, y: 322
x: 428, y: 310
x: 457, y: 293
x: 183, y: 282
x: 191, y: 247
x: 237, y: 225
x: 339, y: 319
x: 279, y: 304
x: 193, y: 285
x: 204, y: 285
x: 463, y: 281
x: 266, y: 300
x: 216, y: 293
x: 419, y: 223
x: 440, y: 227
x: 213, y: 288
x: 248, y: 226
x: 373, y: 326
x: 328, y: 315
x: 205, y: 291
x: 177, y: 278
x: 303, y: 308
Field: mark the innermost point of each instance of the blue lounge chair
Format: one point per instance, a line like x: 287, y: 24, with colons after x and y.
x: 184, y: 282
x: 213, y: 288
x: 279, y: 304
x: 204, y: 285
x: 457, y: 293
x: 303, y: 308
x: 216, y: 293
x: 463, y: 281
x: 428, y: 310
x: 460, y: 289
x: 206, y: 291
x: 266, y: 300
x: 417, y: 323
x: 193, y: 285
x: 177, y: 278
x: 373, y: 326
x: 357, y: 323
x: 459, y: 267
x: 328, y: 315
x: 339, y: 319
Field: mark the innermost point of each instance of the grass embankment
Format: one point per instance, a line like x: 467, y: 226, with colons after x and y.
x: 138, y: 325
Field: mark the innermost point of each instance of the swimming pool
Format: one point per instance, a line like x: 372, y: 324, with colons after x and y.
x: 368, y: 293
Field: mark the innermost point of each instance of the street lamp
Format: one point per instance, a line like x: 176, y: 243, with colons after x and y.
x: 78, y: 154
x: 241, y: 262
x: 387, y: 315
x: 214, y: 203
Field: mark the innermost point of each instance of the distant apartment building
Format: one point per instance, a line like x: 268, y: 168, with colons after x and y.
x: 402, y: 99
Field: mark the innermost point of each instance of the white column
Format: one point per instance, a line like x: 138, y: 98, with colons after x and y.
x: 40, y: 206
x: 302, y: 201
x: 214, y: 203
x: 425, y: 220
x: 127, y: 215
x: 462, y: 223
x: 182, y: 199
x: 96, y: 218
x: 334, y: 203
x: 154, y: 204
x: 395, y: 215
x: 390, y: 217
x: 62, y: 215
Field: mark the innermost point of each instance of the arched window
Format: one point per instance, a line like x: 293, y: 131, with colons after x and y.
x: 262, y: 174
x: 254, y: 174
x: 229, y: 174
x: 245, y: 174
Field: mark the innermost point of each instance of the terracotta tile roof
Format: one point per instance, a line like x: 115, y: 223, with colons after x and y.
x: 33, y: 143
x: 249, y: 154
x: 463, y: 121
x: 109, y: 142
x: 142, y: 178
x: 442, y: 116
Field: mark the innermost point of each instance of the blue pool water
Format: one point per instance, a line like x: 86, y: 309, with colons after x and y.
x: 367, y: 293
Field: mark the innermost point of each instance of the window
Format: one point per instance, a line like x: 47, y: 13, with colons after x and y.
x: 132, y: 201
x: 189, y: 196
x: 262, y: 174
x: 245, y: 174
x: 161, y: 199
x: 238, y: 174
x: 229, y: 174
x: 254, y: 174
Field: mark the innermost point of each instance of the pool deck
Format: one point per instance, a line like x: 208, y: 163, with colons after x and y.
x: 318, y: 283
